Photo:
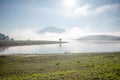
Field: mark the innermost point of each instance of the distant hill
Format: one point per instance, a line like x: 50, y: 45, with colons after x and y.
x: 101, y: 37
x: 51, y: 29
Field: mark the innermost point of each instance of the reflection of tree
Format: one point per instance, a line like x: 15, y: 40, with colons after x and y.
x: 60, y: 39
x: 60, y: 45
x: 2, y: 49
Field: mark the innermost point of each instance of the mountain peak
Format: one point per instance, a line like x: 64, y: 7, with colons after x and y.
x: 51, y: 29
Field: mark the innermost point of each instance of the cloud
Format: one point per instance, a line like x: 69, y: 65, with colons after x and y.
x: 72, y: 9
x: 106, y: 8
x: 70, y: 3
x: 83, y: 10
x: 70, y: 33
x: 24, y: 34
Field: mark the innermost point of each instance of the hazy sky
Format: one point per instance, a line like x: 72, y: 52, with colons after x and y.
x: 80, y: 15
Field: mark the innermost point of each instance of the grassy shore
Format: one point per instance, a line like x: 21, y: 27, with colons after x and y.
x: 27, y: 42
x: 82, y: 66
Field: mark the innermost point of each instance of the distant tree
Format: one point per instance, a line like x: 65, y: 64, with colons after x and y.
x: 12, y: 39
x: 0, y: 36
x: 4, y: 37
x: 28, y: 39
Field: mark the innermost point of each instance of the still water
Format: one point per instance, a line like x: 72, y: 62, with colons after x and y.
x: 71, y: 47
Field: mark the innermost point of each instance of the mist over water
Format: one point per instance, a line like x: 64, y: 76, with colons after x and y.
x: 71, y: 47
x: 69, y: 34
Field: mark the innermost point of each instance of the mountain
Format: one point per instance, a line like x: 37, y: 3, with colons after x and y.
x: 100, y: 37
x: 51, y: 29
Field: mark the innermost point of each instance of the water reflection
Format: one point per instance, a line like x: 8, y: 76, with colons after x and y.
x: 71, y: 47
x: 3, y: 49
x: 60, y: 45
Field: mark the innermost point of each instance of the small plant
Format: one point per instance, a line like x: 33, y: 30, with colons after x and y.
x: 57, y: 63
x: 92, y: 65
x: 78, y: 62
x: 96, y: 78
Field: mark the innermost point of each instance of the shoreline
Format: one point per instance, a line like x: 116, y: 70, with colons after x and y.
x: 8, y: 43
x: 31, y: 54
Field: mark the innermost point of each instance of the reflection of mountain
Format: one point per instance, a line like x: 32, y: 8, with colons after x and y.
x: 100, y: 37
x: 51, y: 30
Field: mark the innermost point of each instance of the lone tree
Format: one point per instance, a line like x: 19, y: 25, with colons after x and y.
x: 60, y: 39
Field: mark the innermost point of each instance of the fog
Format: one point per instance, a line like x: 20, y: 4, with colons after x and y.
x: 69, y: 34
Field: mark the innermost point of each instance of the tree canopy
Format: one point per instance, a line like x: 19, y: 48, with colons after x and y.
x: 5, y: 37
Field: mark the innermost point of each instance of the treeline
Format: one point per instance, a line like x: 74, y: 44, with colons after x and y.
x: 5, y: 37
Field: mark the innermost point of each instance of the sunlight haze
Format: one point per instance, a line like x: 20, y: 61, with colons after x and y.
x: 22, y: 19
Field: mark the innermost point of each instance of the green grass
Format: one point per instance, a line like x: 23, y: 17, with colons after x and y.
x: 84, y: 66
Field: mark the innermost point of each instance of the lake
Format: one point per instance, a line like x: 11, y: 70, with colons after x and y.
x: 71, y: 47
